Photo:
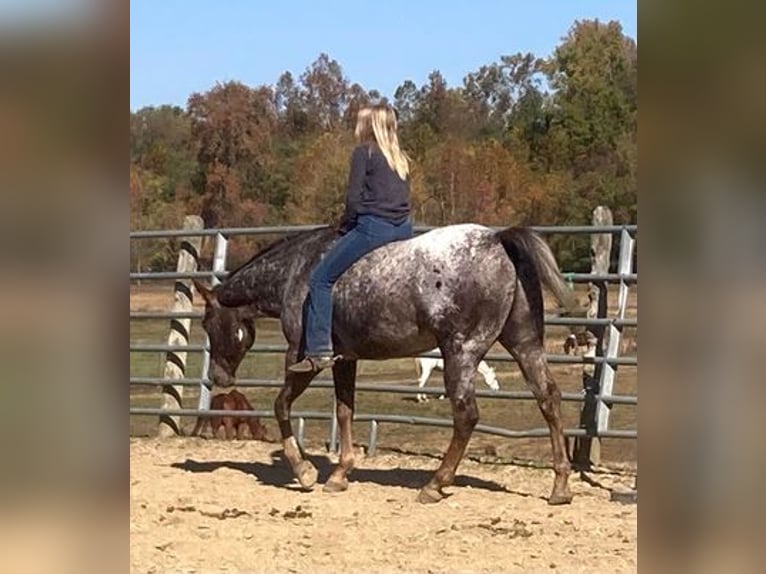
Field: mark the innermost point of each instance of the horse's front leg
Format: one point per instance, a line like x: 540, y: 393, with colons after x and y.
x: 458, y: 380
x: 295, y: 384
x: 344, y: 376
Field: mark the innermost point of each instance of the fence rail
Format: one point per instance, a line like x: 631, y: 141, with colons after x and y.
x: 283, y: 229
x: 398, y: 387
x: 168, y: 275
x: 261, y: 349
x: 376, y: 419
x: 610, y: 360
x: 561, y: 321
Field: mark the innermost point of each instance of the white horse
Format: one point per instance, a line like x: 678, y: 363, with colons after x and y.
x: 427, y: 364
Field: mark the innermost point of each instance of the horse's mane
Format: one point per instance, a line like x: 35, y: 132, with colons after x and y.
x: 289, y: 238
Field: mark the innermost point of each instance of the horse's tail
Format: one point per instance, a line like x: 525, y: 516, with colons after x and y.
x: 535, y: 266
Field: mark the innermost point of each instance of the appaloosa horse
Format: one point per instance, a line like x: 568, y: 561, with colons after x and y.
x: 459, y: 288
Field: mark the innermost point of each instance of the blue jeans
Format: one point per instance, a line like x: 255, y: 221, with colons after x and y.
x: 370, y: 233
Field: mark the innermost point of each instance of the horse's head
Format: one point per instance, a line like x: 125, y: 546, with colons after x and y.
x: 231, y: 331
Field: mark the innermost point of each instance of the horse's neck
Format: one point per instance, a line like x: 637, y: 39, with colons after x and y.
x: 268, y: 281
x: 258, y: 287
x: 261, y: 285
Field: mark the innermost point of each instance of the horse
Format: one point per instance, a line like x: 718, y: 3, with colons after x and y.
x: 233, y: 424
x: 425, y: 365
x: 460, y: 288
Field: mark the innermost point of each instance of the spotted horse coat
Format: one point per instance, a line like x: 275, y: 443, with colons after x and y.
x: 460, y: 288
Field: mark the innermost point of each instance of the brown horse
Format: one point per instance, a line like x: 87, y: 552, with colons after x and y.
x: 233, y: 425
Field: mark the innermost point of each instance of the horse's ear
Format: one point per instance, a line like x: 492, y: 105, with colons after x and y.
x: 207, y: 294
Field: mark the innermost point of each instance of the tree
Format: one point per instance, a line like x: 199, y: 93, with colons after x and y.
x: 325, y: 92
x: 293, y: 118
x: 357, y: 98
x: 407, y: 100
x: 161, y: 142
x: 489, y: 94
x: 321, y: 176
x: 594, y: 75
x: 233, y: 126
x: 149, y: 210
x: 523, y: 140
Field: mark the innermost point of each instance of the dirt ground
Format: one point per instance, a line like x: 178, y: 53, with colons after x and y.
x: 231, y: 506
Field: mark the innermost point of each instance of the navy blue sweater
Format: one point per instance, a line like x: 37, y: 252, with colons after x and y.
x: 374, y: 189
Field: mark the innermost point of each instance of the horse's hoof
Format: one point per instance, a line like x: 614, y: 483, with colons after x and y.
x: 336, y: 485
x: 307, y: 474
x: 557, y: 499
x: 429, y: 495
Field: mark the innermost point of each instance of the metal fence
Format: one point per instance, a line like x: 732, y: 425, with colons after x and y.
x: 610, y: 359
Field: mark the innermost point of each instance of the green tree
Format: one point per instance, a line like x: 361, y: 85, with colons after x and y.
x: 161, y: 143
x: 593, y: 73
x: 293, y: 117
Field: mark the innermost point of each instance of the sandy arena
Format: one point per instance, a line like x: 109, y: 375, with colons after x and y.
x: 208, y: 506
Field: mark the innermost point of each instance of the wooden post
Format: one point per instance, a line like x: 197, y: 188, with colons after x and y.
x: 175, y: 362
x: 587, y: 449
x: 219, y: 264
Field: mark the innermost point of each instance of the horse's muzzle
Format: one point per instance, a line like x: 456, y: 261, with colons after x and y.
x: 220, y: 377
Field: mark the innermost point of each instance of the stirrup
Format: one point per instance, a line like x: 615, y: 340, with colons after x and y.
x: 313, y: 364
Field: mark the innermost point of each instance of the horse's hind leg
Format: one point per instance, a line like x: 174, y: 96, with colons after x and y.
x: 344, y: 376
x: 295, y: 384
x: 523, y: 338
x: 459, y: 369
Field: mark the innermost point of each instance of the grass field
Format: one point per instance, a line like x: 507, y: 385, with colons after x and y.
x: 515, y: 414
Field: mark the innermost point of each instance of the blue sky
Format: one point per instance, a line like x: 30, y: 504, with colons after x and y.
x: 182, y: 46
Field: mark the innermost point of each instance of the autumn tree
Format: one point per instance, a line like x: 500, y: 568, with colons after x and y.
x: 321, y: 177
x: 523, y: 140
x: 233, y: 126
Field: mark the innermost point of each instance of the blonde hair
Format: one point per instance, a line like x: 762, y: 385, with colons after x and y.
x: 378, y: 124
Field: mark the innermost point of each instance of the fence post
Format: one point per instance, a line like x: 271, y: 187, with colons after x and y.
x: 588, y: 449
x: 219, y: 264
x: 372, y: 445
x: 175, y: 361
x: 614, y: 334
x: 333, y: 442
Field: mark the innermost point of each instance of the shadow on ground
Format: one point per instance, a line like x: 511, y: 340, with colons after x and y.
x: 278, y: 474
